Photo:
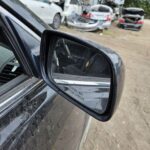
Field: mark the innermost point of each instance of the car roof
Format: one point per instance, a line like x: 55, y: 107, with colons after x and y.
x: 21, y: 12
x: 101, y: 5
x: 134, y: 9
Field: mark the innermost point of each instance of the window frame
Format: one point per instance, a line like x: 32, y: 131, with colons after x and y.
x: 72, y: 2
x: 5, y: 88
x: 18, y: 49
x: 16, y: 89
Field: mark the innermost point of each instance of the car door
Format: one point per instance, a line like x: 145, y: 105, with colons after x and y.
x: 32, y: 115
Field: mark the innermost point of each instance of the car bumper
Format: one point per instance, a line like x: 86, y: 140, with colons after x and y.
x: 130, y: 26
x: 106, y: 24
x: 84, y: 26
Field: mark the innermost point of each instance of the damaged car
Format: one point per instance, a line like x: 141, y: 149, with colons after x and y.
x: 96, y: 17
x: 101, y: 13
x: 132, y: 18
x: 81, y: 23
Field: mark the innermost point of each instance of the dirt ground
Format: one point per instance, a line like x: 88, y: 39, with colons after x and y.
x: 129, y: 129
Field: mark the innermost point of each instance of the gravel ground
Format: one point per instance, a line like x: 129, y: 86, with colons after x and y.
x: 129, y: 129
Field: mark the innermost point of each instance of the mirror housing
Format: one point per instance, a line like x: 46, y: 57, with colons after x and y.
x: 51, y: 40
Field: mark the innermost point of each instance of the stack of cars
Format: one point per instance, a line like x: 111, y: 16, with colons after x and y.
x: 132, y: 18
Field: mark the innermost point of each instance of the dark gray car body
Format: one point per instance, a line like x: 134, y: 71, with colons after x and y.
x: 32, y: 115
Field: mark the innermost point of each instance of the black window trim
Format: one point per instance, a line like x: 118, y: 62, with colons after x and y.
x: 13, y: 40
x: 17, y: 84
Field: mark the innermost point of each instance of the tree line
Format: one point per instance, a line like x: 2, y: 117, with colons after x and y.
x: 145, y: 4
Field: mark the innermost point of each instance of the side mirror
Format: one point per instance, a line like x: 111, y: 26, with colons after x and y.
x: 88, y: 75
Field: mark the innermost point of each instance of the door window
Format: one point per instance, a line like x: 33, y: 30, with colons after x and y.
x: 45, y: 1
x: 74, y: 2
x: 9, y: 65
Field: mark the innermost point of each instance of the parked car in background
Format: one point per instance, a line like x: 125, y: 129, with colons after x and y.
x: 69, y: 7
x: 72, y: 6
x: 116, y: 5
x: 101, y: 13
x: 48, y: 11
x: 132, y: 18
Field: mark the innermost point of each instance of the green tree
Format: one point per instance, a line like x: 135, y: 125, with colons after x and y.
x: 145, y: 4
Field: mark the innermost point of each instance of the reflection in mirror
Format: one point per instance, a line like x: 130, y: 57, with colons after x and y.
x: 82, y: 73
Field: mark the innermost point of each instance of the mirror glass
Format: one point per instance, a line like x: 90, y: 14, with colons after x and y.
x: 81, y: 72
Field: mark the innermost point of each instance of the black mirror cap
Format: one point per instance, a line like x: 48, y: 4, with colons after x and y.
x: 117, y: 67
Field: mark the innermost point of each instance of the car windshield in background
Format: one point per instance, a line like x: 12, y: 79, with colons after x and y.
x: 46, y: 1
x: 133, y: 12
x: 103, y: 9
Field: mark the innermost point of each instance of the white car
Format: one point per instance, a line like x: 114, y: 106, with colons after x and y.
x: 48, y: 11
x: 102, y: 13
x: 71, y: 6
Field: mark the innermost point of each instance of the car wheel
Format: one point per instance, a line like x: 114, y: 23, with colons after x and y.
x: 56, y: 21
x: 139, y: 28
x: 119, y: 25
x: 65, y: 21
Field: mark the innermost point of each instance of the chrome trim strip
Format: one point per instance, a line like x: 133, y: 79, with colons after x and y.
x: 84, y: 83
x: 17, y: 96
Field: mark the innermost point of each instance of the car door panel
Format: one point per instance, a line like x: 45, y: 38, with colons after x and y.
x: 38, y: 119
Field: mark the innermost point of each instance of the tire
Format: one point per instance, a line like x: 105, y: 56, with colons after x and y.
x: 65, y: 22
x: 56, y: 21
x: 119, y: 25
x: 139, y: 28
